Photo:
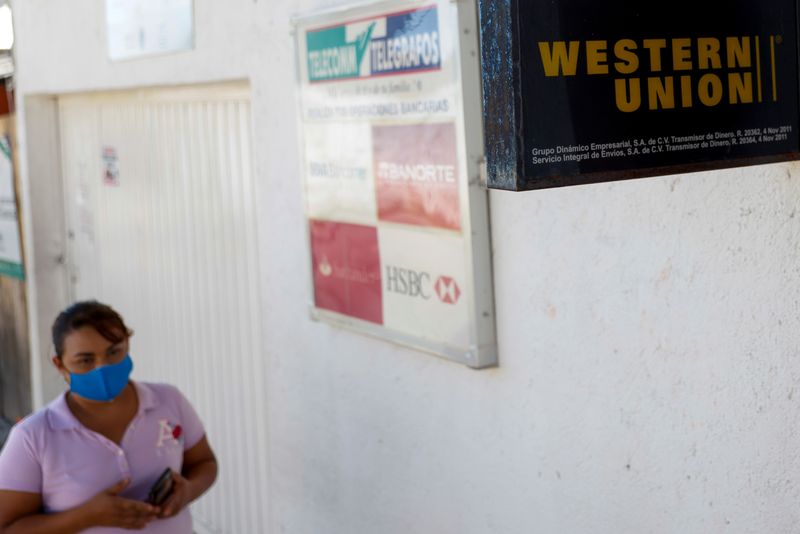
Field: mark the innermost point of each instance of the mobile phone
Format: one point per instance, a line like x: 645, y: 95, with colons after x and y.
x: 161, y: 489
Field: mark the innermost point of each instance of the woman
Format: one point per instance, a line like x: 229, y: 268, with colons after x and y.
x: 87, y: 461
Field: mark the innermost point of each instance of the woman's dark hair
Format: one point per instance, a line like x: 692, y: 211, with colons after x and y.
x: 99, y: 316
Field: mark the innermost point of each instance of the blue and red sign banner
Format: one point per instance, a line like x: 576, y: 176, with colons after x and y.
x: 395, y: 43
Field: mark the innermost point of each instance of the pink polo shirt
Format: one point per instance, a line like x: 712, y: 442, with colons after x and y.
x: 54, y: 455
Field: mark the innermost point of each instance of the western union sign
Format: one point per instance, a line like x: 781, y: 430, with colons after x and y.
x: 580, y: 91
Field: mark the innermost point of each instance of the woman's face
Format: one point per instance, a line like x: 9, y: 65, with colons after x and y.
x: 85, y: 349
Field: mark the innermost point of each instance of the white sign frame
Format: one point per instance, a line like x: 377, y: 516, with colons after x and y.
x: 479, y: 347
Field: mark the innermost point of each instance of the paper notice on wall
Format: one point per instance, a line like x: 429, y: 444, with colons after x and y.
x: 138, y: 28
x: 110, y: 166
x: 10, y: 247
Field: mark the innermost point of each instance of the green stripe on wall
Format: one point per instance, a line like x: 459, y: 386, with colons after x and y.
x: 14, y: 270
x: 5, y: 149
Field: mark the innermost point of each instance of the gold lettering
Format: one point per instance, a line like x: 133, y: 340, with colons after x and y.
x: 686, y: 91
x: 596, y: 57
x: 628, y: 101
x: 655, y: 46
x: 708, y: 53
x: 682, y: 54
x: 739, y: 52
x: 774, y: 70
x: 558, y: 59
x: 628, y: 61
x: 561, y: 58
x: 710, y: 90
x: 740, y: 87
x: 758, y: 67
x: 661, y: 92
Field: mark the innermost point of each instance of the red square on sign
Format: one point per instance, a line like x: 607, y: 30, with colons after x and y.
x: 347, y: 269
x: 416, y: 174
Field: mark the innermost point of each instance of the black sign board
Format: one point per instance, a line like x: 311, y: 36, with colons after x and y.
x: 584, y: 91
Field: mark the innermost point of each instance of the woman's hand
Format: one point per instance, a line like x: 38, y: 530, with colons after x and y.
x: 179, y: 499
x: 107, y: 509
x: 199, y: 472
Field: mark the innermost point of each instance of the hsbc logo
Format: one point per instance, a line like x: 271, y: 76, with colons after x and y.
x: 421, y: 285
x: 447, y: 290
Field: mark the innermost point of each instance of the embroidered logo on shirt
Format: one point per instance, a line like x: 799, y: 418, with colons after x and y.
x: 168, y: 433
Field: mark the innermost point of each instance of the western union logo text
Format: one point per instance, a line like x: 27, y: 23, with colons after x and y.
x: 706, y: 71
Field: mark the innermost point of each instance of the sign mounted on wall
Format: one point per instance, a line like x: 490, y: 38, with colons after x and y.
x: 580, y: 91
x: 397, y: 221
x: 139, y: 28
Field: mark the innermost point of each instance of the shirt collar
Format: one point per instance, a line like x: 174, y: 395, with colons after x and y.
x: 147, y: 397
x: 60, y: 417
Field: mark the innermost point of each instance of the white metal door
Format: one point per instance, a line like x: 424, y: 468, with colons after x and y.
x: 162, y: 220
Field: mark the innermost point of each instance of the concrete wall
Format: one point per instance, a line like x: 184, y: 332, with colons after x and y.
x: 649, y: 333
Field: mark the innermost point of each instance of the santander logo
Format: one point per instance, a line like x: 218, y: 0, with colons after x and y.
x: 447, y: 290
x: 325, y: 268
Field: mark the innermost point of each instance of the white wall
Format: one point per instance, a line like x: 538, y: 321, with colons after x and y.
x: 648, y: 330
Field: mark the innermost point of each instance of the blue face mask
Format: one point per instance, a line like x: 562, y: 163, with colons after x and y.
x: 104, y: 383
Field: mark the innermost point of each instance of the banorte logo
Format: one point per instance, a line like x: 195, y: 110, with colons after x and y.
x: 419, y: 284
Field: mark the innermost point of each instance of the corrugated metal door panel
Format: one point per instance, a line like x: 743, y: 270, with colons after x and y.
x: 173, y: 246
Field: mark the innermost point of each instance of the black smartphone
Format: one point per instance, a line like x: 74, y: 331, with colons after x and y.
x: 161, y: 489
